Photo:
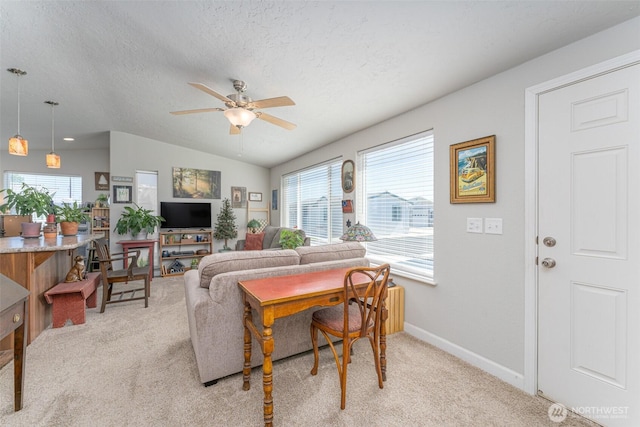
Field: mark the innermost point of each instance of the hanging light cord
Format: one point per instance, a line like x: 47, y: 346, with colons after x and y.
x: 52, y: 133
x: 18, y: 77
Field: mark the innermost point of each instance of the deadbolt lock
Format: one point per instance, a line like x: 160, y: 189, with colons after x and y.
x: 549, y: 242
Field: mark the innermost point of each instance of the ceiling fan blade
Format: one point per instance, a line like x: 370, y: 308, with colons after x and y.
x: 211, y: 92
x: 280, y: 101
x: 275, y: 121
x: 199, y: 110
x: 234, y: 130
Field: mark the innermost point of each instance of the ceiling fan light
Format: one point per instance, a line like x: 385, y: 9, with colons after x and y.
x: 18, y: 146
x: 53, y: 160
x: 239, y: 117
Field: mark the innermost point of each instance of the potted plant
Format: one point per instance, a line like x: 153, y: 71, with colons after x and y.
x: 226, y: 225
x: 253, y: 225
x: 137, y: 220
x: 70, y: 216
x: 102, y: 201
x: 291, y: 239
x: 27, y: 202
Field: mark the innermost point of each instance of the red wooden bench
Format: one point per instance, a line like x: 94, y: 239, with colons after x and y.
x: 68, y: 299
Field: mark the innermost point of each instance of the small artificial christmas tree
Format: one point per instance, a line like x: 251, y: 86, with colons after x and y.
x: 226, y: 225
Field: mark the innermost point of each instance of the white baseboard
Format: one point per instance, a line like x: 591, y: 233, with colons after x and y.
x: 499, y: 371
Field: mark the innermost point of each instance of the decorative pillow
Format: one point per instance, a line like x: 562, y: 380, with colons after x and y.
x: 253, y: 241
x: 332, y: 252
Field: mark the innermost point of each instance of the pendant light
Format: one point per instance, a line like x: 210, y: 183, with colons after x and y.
x: 53, y: 160
x: 17, y: 144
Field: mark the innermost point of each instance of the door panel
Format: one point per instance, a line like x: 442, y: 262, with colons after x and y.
x: 589, y: 202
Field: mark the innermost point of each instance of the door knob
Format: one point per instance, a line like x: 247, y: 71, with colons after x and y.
x: 548, y: 262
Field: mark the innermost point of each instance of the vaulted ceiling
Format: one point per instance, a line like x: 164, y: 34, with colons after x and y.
x: 124, y: 65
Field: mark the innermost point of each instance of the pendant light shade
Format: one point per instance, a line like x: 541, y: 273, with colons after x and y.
x: 18, y: 146
x: 53, y: 160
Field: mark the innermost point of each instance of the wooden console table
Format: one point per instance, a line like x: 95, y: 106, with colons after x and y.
x: 277, y: 297
x: 138, y: 244
x: 14, y: 315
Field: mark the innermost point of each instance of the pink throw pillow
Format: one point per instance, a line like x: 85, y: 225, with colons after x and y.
x: 253, y: 242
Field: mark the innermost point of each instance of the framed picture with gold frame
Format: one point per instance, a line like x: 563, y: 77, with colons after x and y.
x: 472, y: 169
x: 348, y: 176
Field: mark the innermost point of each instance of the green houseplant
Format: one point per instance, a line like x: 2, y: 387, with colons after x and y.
x: 70, y: 216
x: 253, y: 225
x: 226, y: 225
x: 102, y: 201
x: 291, y: 239
x: 28, y: 201
x: 136, y: 220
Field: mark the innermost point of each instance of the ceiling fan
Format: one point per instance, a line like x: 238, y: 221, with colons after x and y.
x: 240, y: 109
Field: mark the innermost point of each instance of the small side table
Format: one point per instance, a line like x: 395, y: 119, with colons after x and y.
x: 395, y: 306
x: 139, y: 244
x: 14, y: 317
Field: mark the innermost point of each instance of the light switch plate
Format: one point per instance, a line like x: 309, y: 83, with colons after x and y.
x: 474, y: 225
x: 493, y: 225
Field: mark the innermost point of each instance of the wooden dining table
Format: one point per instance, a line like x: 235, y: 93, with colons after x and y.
x: 276, y: 297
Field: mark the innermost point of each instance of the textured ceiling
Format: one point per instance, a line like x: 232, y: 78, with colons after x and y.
x: 124, y: 65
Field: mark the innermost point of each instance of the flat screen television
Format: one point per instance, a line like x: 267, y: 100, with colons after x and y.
x: 185, y: 215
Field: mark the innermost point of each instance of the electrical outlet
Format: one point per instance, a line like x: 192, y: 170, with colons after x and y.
x: 493, y: 225
x: 474, y: 225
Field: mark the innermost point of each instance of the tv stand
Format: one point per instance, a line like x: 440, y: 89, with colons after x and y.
x: 179, y: 248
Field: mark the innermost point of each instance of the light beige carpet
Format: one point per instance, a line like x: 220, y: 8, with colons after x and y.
x: 133, y: 366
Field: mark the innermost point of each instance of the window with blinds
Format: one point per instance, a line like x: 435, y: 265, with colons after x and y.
x: 312, y: 201
x: 64, y: 188
x: 395, y: 195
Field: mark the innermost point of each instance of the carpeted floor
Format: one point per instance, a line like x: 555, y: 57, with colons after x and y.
x: 133, y: 366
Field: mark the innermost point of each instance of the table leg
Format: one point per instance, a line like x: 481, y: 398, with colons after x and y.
x: 383, y: 342
x: 246, y: 369
x: 19, y: 345
x: 267, y: 372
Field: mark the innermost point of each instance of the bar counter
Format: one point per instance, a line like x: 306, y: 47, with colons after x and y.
x: 38, y: 265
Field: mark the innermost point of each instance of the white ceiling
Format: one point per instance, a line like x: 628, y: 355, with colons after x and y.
x: 124, y: 65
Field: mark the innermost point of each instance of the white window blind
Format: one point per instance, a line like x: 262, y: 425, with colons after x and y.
x: 312, y: 201
x: 396, y: 202
x: 64, y: 188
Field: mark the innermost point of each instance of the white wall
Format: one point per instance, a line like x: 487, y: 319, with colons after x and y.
x: 130, y: 153
x: 476, y: 310
x: 73, y: 162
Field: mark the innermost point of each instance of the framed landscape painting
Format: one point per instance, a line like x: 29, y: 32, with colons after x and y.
x: 191, y: 183
x: 472, y: 170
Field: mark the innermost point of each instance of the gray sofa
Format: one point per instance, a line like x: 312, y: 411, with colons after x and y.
x: 214, y: 303
x: 271, y: 238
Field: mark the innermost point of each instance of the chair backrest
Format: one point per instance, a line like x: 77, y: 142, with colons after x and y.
x: 102, y: 250
x: 371, y: 300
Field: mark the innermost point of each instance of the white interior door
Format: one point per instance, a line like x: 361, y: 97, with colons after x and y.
x: 589, y: 204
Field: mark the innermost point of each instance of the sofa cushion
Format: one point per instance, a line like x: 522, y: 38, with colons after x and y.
x: 253, y: 242
x: 333, y: 252
x: 223, y: 262
x: 269, y: 234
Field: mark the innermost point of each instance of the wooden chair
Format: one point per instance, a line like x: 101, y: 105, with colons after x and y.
x: 111, y: 276
x: 360, y: 317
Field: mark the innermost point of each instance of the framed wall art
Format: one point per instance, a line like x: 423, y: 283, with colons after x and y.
x: 238, y: 197
x: 348, y: 177
x: 255, y: 197
x: 472, y: 170
x: 122, y: 193
x: 191, y: 183
x: 102, y: 181
x: 274, y: 200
